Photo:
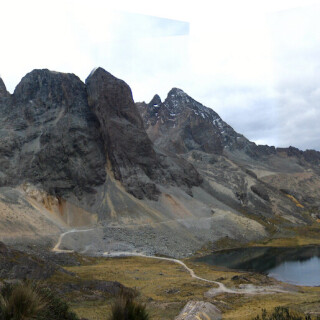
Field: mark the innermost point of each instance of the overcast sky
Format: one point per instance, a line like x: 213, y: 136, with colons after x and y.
x: 255, y: 62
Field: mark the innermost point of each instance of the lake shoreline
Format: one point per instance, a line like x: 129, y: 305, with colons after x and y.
x: 299, y: 265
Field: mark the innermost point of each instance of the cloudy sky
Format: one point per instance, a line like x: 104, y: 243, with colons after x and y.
x: 255, y: 62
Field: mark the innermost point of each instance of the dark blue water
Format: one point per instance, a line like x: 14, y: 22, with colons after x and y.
x: 299, y: 265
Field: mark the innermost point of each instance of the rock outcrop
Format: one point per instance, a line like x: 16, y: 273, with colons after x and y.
x: 3, y: 89
x: 58, y: 133
x: 181, y: 124
x: 49, y: 135
x: 127, y: 146
x: 311, y: 156
x: 133, y: 159
x: 199, y: 310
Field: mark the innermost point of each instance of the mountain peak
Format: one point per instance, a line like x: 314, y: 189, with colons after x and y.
x: 45, y: 84
x: 200, y: 128
x: 112, y: 94
x: 98, y: 70
x: 177, y: 100
x: 176, y: 92
x: 3, y: 89
x: 104, y: 75
x: 155, y: 101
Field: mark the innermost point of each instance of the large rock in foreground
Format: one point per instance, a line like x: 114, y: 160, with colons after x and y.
x: 199, y: 310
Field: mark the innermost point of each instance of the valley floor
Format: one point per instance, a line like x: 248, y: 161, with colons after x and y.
x: 165, y: 287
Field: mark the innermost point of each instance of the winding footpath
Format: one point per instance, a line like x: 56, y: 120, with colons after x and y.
x: 250, y: 289
x: 56, y: 247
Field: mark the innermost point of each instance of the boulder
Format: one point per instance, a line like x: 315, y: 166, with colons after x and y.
x: 196, y: 310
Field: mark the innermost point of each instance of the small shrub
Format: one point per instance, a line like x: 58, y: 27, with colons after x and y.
x: 126, y: 308
x: 26, y: 301
x: 56, y: 309
x: 20, y: 302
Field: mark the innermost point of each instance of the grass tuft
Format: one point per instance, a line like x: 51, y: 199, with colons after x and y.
x: 26, y: 301
x: 21, y: 302
x: 126, y: 308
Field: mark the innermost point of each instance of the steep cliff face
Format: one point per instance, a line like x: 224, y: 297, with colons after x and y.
x: 49, y: 136
x: 127, y: 146
x: 57, y: 132
x: 130, y: 151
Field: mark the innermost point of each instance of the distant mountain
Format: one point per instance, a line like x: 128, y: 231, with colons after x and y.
x: 260, y: 178
x: 163, y: 177
x: 181, y: 124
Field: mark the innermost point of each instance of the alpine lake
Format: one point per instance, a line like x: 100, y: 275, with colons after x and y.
x: 294, y: 265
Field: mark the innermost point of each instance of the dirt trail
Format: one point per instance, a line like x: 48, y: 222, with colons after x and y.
x: 56, y: 247
x: 250, y: 289
x: 221, y: 287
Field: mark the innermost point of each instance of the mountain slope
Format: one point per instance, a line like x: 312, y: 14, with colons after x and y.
x: 164, y: 177
x: 236, y: 170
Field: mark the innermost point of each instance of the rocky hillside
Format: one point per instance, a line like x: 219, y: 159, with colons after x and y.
x: 49, y: 135
x: 181, y: 124
x: 241, y: 174
x: 163, y: 177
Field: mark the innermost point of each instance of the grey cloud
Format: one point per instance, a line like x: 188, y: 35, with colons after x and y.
x: 287, y: 112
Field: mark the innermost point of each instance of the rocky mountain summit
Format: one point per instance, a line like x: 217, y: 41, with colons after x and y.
x: 78, y: 154
x: 49, y: 134
x: 58, y: 133
x: 229, y: 161
x: 132, y: 156
x: 181, y: 124
x: 3, y: 89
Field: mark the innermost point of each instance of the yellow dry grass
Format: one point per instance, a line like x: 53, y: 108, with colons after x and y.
x: 165, y: 287
x: 297, y: 203
x: 301, y: 236
x: 247, y: 307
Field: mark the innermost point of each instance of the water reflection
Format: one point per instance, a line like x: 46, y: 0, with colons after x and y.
x: 305, y: 273
x: 297, y: 265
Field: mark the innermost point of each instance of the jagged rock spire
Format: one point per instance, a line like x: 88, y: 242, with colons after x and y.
x: 133, y: 158
x: 3, y: 89
x: 156, y: 101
